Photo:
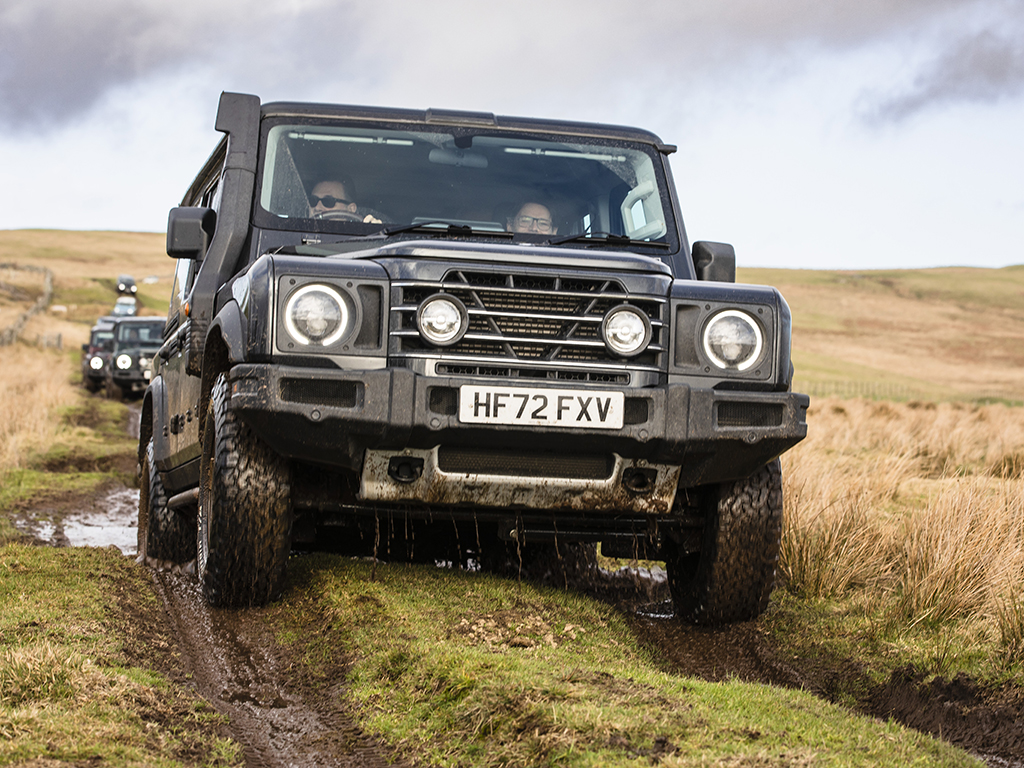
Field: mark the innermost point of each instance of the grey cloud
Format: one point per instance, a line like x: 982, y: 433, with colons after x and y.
x: 984, y: 67
x: 58, y: 58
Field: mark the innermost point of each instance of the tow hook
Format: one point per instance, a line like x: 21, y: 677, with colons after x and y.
x: 405, y: 469
x: 639, y: 480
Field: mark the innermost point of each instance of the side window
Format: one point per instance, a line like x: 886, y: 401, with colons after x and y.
x: 183, y: 274
x: 211, y: 197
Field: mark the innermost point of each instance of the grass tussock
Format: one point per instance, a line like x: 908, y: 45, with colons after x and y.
x: 913, y: 512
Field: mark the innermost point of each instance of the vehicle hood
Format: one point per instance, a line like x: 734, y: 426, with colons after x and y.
x: 522, y: 255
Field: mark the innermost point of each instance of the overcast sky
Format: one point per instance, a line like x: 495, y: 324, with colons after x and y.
x: 833, y: 134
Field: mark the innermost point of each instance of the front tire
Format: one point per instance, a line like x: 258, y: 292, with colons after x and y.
x: 245, y: 515
x: 733, y: 575
x: 164, y: 534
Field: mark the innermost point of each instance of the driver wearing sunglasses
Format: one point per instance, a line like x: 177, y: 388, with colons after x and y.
x: 330, y: 199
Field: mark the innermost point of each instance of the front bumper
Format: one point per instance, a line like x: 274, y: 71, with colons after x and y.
x: 368, y: 421
x: 133, y: 379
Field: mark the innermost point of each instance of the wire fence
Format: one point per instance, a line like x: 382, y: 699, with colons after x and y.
x: 869, y: 390
x: 10, y: 334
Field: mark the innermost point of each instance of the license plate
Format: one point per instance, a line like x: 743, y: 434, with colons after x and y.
x: 540, y: 406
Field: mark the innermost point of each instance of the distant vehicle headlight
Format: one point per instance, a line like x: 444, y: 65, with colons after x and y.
x: 733, y: 340
x: 317, y: 315
x: 123, y: 362
x: 626, y: 331
x: 96, y: 362
x: 442, y: 319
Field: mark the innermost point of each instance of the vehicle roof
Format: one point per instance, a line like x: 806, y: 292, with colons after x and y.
x: 137, y: 319
x: 457, y: 118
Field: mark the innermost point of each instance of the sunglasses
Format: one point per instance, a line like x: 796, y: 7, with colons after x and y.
x: 328, y: 200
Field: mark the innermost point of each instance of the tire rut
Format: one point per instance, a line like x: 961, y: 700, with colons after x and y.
x: 233, y: 663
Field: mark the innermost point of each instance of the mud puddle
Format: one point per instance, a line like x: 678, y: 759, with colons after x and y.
x: 233, y: 663
x: 109, y: 520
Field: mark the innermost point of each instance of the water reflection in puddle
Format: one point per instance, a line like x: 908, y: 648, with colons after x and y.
x: 114, y: 523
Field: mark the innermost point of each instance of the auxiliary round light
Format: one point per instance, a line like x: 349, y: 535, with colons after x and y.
x: 733, y: 340
x: 442, y: 319
x: 123, y: 362
x: 96, y: 362
x: 626, y: 331
x: 316, y: 315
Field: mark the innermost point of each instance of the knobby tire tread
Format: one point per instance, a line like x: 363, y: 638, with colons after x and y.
x: 164, y: 533
x: 245, y: 510
x: 734, y: 578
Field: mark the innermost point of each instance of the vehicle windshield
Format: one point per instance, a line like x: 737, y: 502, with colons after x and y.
x: 98, y: 337
x: 361, y: 180
x: 141, y: 334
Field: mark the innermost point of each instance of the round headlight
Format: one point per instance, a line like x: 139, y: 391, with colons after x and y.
x: 626, y: 330
x: 442, y: 319
x: 124, y: 362
x: 733, y: 340
x: 96, y: 362
x: 316, y: 314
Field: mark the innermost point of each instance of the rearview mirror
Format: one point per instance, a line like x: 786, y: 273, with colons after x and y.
x: 714, y: 261
x: 189, y: 231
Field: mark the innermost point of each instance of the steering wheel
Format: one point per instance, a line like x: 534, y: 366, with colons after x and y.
x: 339, y: 216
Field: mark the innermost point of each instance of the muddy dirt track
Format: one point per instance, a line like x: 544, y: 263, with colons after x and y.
x: 228, y: 658
x: 236, y: 667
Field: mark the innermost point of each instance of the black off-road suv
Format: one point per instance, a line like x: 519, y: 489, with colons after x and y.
x: 453, y: 336
x: 96, y: 352
x: 130, y: 362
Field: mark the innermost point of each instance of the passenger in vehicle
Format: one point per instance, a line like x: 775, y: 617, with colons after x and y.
x: 532, y: 218
x: 330, y: 199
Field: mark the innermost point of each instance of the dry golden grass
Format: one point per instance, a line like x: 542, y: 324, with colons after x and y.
x: 950, y: 333
x: 87, y: 255
x: 85, y: 266
x: 914, y: 509
x: 35, y: 385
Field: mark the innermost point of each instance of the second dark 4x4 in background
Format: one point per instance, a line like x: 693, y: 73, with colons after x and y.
x: 454, y: 336
x: 130, y: 363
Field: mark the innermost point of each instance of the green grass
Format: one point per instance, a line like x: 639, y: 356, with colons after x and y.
x: 468, y: 670
x: 93, y: 451
x: 67, y: 692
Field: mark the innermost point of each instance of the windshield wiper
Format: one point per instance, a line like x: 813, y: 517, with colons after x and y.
x: 445, y: 228
x: 605, y: 238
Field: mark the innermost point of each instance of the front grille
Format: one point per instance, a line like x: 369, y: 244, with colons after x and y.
x: 335, y: 394
x: 513, y: 463
x: 530, y: 326
x: 738, y: 414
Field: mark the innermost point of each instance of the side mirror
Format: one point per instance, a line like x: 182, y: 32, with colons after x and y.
x: 85, y: 348
x: 189, y: 231
x: 714, y: 261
